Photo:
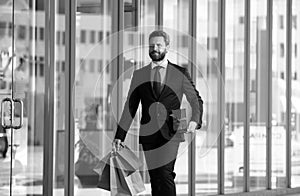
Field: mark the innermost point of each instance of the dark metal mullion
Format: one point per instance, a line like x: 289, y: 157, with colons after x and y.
x: 120, y: 67
x: 159, y: 13
x: 135, y: 13
x: 247, y: 96
x: 192, y: 63
x: 288, y: 90
x: 70, y: 10
x: 269, y: 113
x: 115, y: 66
x: 49, y: 97
x: 221, y: 57
x: 138, y: 17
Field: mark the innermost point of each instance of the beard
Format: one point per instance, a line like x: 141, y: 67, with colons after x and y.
x: 157, y: 56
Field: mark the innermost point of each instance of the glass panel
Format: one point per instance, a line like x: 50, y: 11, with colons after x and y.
x: 279, y: 95
x: 7, y: 58
x: 258, y: 93
x: 234, y: 96
x: 208, y: 81
x: 92, y: 92
x: 175, y: 20
x: 147, y: 8
x: 28, y: 87
x: 59, y: 102
x: 295, y: 118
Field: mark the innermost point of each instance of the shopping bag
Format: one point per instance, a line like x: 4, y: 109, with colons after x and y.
x: 179, y: 120
x: 118, y: 173
x: 102, y: 164
x: 133, y: 181
x: 130, y: 162
x: 118, y: 184
x: 103, y: 169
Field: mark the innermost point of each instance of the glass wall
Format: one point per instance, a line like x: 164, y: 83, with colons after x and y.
x: 279, y: 79
x: 110, y: 45
x: 234, y: 96
x: 59, y: 100
x: 111, y: 42
x: 22, y: 62
x: 258, y: 93
x: 295, y: 115
x: 6, y: 59
x: 94, y: 75
x: 208, y: 82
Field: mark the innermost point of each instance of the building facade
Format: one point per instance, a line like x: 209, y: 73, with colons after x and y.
x: 70, y: 65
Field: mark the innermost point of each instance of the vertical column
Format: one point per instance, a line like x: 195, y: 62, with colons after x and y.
x: 70, y: 10
x: 49, y: 97
x: 192, y: 59
x: 247, y: 97
x: 12, y: 94
x: 221, y: 101
x: 288, y: 90
x: 117, y: 49
x: 159, y: 13
x: 269, y: 119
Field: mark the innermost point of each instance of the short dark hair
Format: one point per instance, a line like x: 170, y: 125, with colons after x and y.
x: 160, y: 33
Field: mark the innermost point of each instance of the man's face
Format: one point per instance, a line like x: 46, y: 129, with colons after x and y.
x: 157, y: 48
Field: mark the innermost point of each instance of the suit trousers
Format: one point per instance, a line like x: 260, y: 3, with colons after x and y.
x: 160, y: 158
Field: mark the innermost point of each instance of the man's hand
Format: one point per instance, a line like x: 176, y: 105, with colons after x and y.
x: 192, y: 127
x: 116, y: 145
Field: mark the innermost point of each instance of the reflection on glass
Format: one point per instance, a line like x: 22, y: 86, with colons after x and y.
x: 234, y: 96
x: 208, y: 83
x: 295, y: 118
x: 279, y: 95
x: 59, y: 103
x: 258, y: 94
x: 25, y: 65
x: 147, y: 8
x: 6, y: 59
x: 92, y: 93
x: 176, y: 15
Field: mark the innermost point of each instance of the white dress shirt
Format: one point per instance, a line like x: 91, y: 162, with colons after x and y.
x: 162, y: 71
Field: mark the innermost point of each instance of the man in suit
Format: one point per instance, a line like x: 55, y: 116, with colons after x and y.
x: 160, y: 87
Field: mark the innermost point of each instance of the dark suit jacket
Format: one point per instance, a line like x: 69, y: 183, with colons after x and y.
x: 156, y: 110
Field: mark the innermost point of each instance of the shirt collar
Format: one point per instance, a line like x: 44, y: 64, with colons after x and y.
x: 163, y: 64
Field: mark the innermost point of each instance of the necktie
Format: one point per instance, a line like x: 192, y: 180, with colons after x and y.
x: 157, y: 81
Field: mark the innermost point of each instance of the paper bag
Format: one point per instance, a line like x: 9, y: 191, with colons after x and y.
x: 130, y: 162
x: 103, y: 169
x: 179, y: 120
x: 118, y: 184
x: 118, y: 173
x: 134, y: 181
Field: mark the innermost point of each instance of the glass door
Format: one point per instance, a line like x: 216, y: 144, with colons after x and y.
x: 6, y: 58
x: 22, y: 97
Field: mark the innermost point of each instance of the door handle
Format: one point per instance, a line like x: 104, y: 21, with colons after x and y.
x: 21, y: 114
x: 12, y: 113
x: 10, y: 100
